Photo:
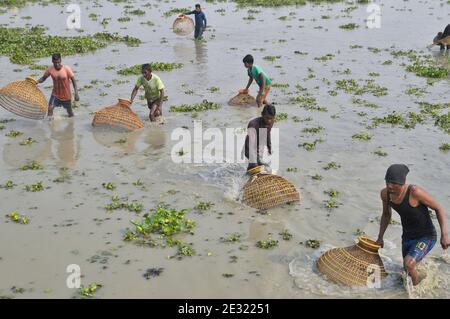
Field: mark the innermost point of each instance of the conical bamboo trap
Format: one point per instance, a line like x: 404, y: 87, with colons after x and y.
x: 264, y: 191
x: 24, y: 98
x: 183, y: 25
x: 119, y: 115
x: 354, y: 265
x: 242, y: 99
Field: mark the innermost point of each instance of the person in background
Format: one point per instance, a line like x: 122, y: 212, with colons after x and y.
x: 442, y: 35
x: 61, y: 76
x: 258, y: 136
x: 411, y: 203
x: 256, y: 73
x: 200, y: 20
x: 154, y: 91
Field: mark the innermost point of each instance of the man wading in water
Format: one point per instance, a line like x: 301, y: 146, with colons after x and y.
x: 200, y: 21
x: 411, y: 203
x: 258, y: 136
x: 256, y: 73
x: 443, y: 35
x: 154, y: 91
x: 61, y: 95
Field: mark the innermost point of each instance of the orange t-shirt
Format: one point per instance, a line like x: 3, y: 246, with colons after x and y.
x: 61, y: 82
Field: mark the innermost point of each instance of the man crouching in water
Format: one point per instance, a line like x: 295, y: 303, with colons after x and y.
x: 443, y: 35
x: 411, y: 203
x: 259, y: 136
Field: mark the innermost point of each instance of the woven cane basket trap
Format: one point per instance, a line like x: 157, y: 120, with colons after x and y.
x: 264, y: 191
x: 242, y: 99
x: 119, y: 115
x: 183, y: 25
x: 352, y: 266
x: 23, y: 98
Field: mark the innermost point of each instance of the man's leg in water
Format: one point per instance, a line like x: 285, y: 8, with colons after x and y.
x: 414, y: 251
x: 154, y: 112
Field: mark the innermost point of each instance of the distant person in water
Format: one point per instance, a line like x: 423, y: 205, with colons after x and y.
x: 61, y: 76
x: 200, y: 20
x: 256, y: 73
x: 259, y: 136
x: 442, y: 35
x: 154, y: 91
x: 411, y: 203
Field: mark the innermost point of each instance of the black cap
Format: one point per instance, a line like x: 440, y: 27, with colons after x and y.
x: 397, y: 174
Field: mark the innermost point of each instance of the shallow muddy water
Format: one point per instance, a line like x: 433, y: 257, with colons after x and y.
x: 68, y: 221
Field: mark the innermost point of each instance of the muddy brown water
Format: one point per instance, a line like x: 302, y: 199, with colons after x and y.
x: 69, y: 224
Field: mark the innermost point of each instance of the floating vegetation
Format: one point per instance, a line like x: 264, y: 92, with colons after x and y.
x: 317, y: 177
x: 292, y: 169
x: 286, y: 235
x: 381, y: 153
x: 204, y: 206
x: 324, y: 58
x: 13, y: 133
x: 272, y: 58
x: 281, y: 117
x: 185, y: 250
x: 89, y: 290
x: 310, y: 146
x: 199, y: 107
x: 359, y: 232
x: 165, y: 222
x: 313, y: 130
x: 332, y: 192
x: 232, y: 238
x: 364, y: 103
x: 267, y: 244
x: 362, y: 136
x: 352, y: 86
x: 398, y: 119
x: 38, y: 187
x: 214, y: 89
x: 312, y: 243
x: 445, y: 147
x: 8, y: 185
x: 176, y: 11
x: 330, y: 204
x: 308, y: 102
x: 28, y: 141
x: 109, y: 186
x: 33, y: 166
x: 22, y: 46
x: 425, y: 67
x: 331, y: 165
x: 156, y: 66
x: 118, y: 203
x: 280, y: 3
x: 349, y: 26
x: 443, y: 121
x: 17, y: 218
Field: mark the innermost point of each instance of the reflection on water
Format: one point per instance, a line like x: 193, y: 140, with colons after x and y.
x: 155, y: 137
x: 201, y: 52
x: 115, y: 138
x: 68, y: 148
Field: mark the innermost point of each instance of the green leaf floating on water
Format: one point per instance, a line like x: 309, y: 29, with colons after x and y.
x: 156, y: 66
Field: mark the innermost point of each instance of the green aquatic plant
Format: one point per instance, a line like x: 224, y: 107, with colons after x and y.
x: 117, y: 203
x: 272, y: 58
x: 33, y: 165
x: 443, y: 121
x: 317, y: 177
x: 109, y: 186
x: 199, y: 107
x: 232, y: 238
x: 292, y: 169
x: 359, y: 232
x: 330, y: 204
x: 286, y: 235
x: 313, y: 130
x: 267, y: 244
x: 176, y: 11
x: 185, y: 250
x: 381, y: 153
x: 312, y: 243
x: 281, y: 117
x: 8, y: 185
x: 17, y: 218
x: 89, y: 290
x: 332, y: 192
x: 331, y: 165
x: 362, y: 136
x: 38, y: 187
x: 445, y: 147
x: 27, y: 141
x: 349, y: 26
x: 425, y: 67
x: 204, y: 206
x: 13, y: 133
x: 310, y: 146
x: 22, y: 46
x: 156, y: 66
x: 214, y: 89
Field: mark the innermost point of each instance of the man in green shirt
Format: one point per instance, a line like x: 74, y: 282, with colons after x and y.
x: 154, y: 91
x: 256, y: 73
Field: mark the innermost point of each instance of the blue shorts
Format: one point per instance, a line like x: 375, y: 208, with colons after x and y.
x: 54, y: 101
x: 417, y: 248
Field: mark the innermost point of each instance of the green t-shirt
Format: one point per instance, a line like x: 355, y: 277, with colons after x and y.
x: 255, y: 71
x: 151, y: 87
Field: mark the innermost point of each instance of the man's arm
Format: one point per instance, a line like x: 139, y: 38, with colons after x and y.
x: 423, y: 197
x: 44, y: 77
x: 204, y: 20
x: 385, y: 218
x: 134, y: 93
x: 250, y: 81
x: 161, y: 100
x: 263, y: 83
x: 75, y: 88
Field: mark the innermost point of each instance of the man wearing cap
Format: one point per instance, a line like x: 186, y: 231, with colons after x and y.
x: 411, y: 203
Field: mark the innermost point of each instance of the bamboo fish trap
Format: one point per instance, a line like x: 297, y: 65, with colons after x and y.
x: 24, y: 98
x: 119, y: 115
x: 242, y: 99
x: 354, y: 265
x: 183, y: 25
x: 264, y: 191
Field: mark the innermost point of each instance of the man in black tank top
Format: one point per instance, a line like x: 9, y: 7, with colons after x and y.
x: 411, y: 203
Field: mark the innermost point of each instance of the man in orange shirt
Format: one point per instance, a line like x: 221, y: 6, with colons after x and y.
x: 61, y: 76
